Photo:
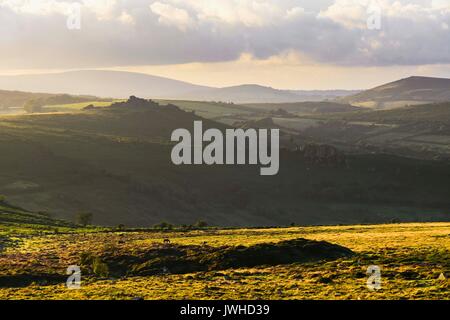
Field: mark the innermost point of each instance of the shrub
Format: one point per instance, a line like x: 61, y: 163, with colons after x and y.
x: 164, y: 226
x: 201, y: 224
x: 94, y: 264
x: 84, y: 218
x: 32, y: 106
x: 100, y: 268
x: 120, y: 227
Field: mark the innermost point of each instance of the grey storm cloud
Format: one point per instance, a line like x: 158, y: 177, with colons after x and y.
x: 34, y: 34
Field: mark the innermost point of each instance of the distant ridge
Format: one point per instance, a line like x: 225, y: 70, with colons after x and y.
x: 119, y: 84
x: 247, y: 93
x: 114, y: 84
x: 412, y: 90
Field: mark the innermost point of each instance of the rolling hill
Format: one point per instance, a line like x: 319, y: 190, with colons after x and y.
x: 412, y: 90
x: 99, y: 83
x: 438, y: 112
x: 305, y: 107
x: 419, y: 131
x: 115, y: 163
x: 118, y: 84
x: 13, y: 218
x: 244, y: 94
x: 16, y: 99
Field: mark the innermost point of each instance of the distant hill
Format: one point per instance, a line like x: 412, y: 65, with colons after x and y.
x: 244, y: 94
x: 323, y: 95
x: 412, y: 90
x: 305, y: 107
x: 113, y: 84
x: 424, y: 113
x: 252, y: 93
x: 17, y: 99
x: 118, y: 84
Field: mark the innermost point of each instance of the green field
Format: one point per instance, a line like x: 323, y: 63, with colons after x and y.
x: 70, y: 107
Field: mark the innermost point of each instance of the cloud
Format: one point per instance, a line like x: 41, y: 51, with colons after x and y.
x: 349, y: 13
x: 138, y: 32
x: 172, y: 16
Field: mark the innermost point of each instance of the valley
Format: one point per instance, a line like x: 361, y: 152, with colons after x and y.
x: 114, y: 162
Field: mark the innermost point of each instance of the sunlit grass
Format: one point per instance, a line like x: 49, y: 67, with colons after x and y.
x: 411, y: 257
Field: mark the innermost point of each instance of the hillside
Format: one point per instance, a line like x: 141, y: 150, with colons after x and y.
x: 412, y: 90
x: 252, y: 93
x: 435, y: 112
x: 16, y: 99
x: 305, y: 107
x: 243, y: 94
x: 115, y: 163
x: 211, y: 109
x: 323, y: 95
x: 15, y: 220
x: 419, y: 131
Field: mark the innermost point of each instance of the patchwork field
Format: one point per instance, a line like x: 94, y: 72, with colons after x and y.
x: 412, y: 258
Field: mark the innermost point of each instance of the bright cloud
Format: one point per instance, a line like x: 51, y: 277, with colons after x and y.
x: 172, y: 16
x: 137, y: 32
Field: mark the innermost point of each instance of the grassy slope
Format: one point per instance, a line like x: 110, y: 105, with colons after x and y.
x: 305, y: 107
x: 403, y: 92
x: 420, y: 131
x: 16, y: 99
x: 205, y: 109
x: 411, y: 257
x: 15, y: 220
x: 210, y: 109
x: 436, y: 112
x: 116, y: 164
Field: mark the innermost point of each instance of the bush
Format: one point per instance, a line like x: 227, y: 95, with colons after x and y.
x: 164, y: 226
x: 84, y: 218
x: 94, y: 264
x: 32, y: 106
x: 99, y: 268
x: 120, y: 227
x: 201, y: 224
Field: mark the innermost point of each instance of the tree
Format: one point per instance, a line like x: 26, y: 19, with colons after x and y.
x: 84, y: 218
x: 32, y: 106
x: 201, y: 224
x: 164, y: 226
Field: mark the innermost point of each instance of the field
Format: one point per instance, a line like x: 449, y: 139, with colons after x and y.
x: 72, y: 107
x: 411, y: 257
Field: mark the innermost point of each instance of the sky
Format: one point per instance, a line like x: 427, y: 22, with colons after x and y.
x: 286, y: 44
